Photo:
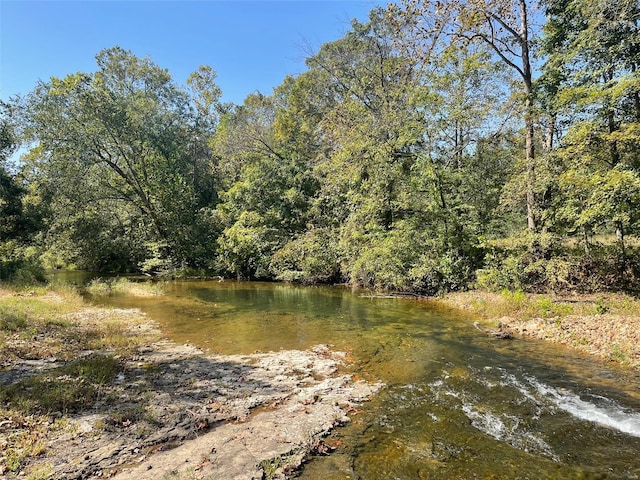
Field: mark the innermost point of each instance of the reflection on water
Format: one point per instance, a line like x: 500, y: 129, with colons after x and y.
x: 458, y: 404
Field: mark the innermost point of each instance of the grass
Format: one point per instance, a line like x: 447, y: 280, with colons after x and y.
x: 71, y: 388
x: 56, y: 323
x: 605, y: 240
x: 40, y: 472
x: 525, y: 306
x: 605, y: 325
x: 112, y: 286
x: 40, y: 302
x: 85, y: 349
x: 23, y: 437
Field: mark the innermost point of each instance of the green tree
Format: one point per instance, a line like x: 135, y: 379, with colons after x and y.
x: 10, y: 191
x: 370, y: 124
x: 505, y: 27
x: 127, y: 150
x: 268, y: 184
x: 18, y: 261
x: 594, y: 53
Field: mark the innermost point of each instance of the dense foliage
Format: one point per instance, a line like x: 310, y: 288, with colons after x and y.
x: 421, y: 152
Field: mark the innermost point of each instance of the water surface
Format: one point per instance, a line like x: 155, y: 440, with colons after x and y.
x: 457, y: 405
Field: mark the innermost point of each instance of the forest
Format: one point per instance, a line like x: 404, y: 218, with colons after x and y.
x: 442, y: 145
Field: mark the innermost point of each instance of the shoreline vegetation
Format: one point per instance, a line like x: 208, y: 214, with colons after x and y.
x: 460, y: 163
x: 98, y: 392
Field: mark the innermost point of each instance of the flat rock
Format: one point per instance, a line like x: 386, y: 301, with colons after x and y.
x: 218, y: 416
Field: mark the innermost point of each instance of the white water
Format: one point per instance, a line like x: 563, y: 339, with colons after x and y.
x: 507, y: 428
x: 610, y: 415
x: 606, y: 413
x: 543, y: 400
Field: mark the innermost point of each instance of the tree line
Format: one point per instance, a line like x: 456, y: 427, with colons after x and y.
x: 441, y: 145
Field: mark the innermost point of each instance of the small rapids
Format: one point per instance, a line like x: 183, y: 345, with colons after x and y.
x: 491, y: 397
x: 507, y: 428
x: 600, y: 410
x: 498, y: 420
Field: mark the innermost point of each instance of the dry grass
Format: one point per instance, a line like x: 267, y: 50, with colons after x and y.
x: 74, y: 351
x: 57, y: 324
x: 607, y: 325
x: 525, y: 306
x: 101, y: 286
x: 24, y: 436
x: 614, y: 338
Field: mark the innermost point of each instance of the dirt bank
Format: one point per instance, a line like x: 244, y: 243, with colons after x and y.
x: 613, y: 338
x: 171, y: 411
x: 606, y: 326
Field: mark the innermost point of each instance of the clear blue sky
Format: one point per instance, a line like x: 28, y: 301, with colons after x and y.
x: 252, y: 45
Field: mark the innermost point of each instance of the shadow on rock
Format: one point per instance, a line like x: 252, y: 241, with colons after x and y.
x: 123, y: 412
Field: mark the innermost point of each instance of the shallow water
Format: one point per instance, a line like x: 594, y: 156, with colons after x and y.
x: 458, y: 404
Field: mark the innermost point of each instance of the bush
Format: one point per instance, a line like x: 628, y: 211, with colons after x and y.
x: 310, y: 258
x: 20, y: 265
x: 442, y: 272
x: 406, y: 259
x: 158, y: 260
x: 383, y: 260
x: 541, y: 264
x: 246, y: 247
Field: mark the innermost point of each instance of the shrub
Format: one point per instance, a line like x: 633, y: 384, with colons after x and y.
x: 542, y: 264
x: 383, y: 260
x: 246, y: 247
x: 20, y: 265
x: 442, y: 272
x: 310, y: 258
x: 407, y: 259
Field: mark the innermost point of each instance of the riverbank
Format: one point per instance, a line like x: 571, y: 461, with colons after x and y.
x: 94, y: 393
x: 606, y: 326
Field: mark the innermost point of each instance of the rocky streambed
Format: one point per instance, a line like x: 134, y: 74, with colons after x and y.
x: 173, y: 411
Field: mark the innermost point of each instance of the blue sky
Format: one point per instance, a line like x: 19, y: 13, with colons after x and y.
x: 252, y: 45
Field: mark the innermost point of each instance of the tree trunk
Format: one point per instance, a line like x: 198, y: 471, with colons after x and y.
x: 620, y: 240
x: 545, y: 200
x: 550, y: 134
x: 530, y: 155
x: 527, y: 77
x: 531, y: 177
x: 636, y: 95
x: 585, y: 239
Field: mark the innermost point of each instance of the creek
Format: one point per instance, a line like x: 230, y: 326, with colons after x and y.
x: 458, y: 404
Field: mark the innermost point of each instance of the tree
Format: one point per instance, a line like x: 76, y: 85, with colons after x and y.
x: 505, y: 27
x: 10, y: 191
x: 268, y: 184
x: 370, y: 122
x: 18, y: 222
x: 128, y: 147
x: 594, y: 52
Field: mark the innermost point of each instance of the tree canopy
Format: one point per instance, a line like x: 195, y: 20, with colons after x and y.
x: 437, y: 146
x: 123, y: 155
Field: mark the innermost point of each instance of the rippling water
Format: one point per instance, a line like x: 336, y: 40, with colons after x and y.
x: 458, y: 404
